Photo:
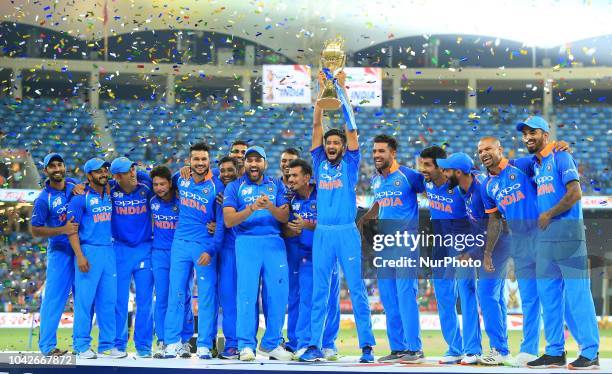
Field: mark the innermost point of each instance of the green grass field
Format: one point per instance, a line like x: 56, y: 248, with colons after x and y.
x: 433, y: 343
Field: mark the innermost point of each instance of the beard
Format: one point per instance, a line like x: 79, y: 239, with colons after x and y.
x: 453, y: 182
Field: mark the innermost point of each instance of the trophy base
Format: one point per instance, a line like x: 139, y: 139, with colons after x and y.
x: 329, y: 103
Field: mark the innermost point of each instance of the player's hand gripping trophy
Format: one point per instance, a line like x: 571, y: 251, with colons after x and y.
x: 333, y: 59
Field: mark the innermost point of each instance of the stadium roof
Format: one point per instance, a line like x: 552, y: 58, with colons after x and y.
x: 293, y: 26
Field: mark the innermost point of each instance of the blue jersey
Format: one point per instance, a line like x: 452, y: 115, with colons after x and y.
x: 552, y: 174
x: 165, y: 219
x: 447, y: 210
x: 92, y: 212
x: 396, y: 194
x: 336, y: 184
x: 131, y: 214
x: 50, y: 210
x: 198, y: 207
x: 305, y: 207
x: 512, y: 193
x: 474, y: 204
x: 242, y: 193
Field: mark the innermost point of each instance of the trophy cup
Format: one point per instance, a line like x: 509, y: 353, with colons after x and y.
x: 332, y: 61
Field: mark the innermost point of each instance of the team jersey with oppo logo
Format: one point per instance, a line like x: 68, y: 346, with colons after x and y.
x: 131, y: 213
x: 242, y: 193
x: 50, y: 210
x: 165, y: 219
x: 198, y: 207
x: 396, y: 194
x: 554, y: 172
x: 336, y: 195
x: 474, y: 205
x: 307, y: 209
x: 512, y: 193
x: 92, y: 212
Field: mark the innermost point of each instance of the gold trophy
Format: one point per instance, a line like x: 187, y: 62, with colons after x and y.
x: 333, y: 59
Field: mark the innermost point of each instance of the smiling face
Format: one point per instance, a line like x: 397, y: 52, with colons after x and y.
x: 237, y: 152
x: 334, y: 148
x: 490, y: 152
x: 297, y: 178
x: 98, y: 177
x: 161, y: 187
x: 534, y: 139
x: 383, y: 156
x: 255, y: 165
x: 429, y: 169
x: 227, y: 172
x: 56, y: 171
x: 286, y: 159
x: 127, y: 179
x: 199, y: 162
x: 453, y: 177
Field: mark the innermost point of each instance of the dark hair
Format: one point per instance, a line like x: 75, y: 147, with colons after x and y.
x: 291, y: 151
x: 434, y: 153
x: 383, y: 138
x: 228, y: 159
x: 299, y: 163
x: 199, y: 147
x: 336, y: 132
x: 239, y: 142
x: 161, y: 171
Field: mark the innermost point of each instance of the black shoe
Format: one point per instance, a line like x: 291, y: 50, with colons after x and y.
x: 545, y: 362
x: 583, y: 363
x: 56, y: 352
x: 412, y: 357
x: 394, y: 356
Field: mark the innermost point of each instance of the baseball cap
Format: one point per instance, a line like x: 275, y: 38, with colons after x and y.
x: 52, y: 157
x: 121, y: 165
x: 95, y: 164
x: 459, y: 161
x: 255, y: 149
x: 535, y: 122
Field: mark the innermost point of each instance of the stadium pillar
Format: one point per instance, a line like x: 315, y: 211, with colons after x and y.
x: 397, y: 92
x: 170, y: 91
x: 16, y: 84
x: 547, y: 108
x: 471, y: 100
x: 94, y: 90
x: 246, y: 94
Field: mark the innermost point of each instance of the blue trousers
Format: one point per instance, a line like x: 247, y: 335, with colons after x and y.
x: 97, y: 287
x: 134, y: 262
x: 183, y: 258
x: 525, y: 271
x: 564, y: 284
x: 491, y: 297
x: 293, y: 308
x: 160, y: 260
x: 399, y: 298
x: 331, y: 245
x: 59, y: 282
x: 450, y: 283
x: 227, y: 294
x: 261, y: 256
x: 332, y: 318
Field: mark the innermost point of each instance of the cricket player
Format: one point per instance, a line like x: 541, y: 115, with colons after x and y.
x: 301, y: 226
x: 562, y: 268
x: 165, y: 210
x: 49, y: 221
x: 396, y: 207
x: 449, y: 217
x: 254, y: 205
x: 336, y: 159
x: 459, y: 169
x: 194, y: 246
x: 510, y: 193
x: 95, y: 265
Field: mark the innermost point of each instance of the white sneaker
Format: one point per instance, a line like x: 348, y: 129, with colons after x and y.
x: 247, y: 354
x: 450, y: 360
x: 470, y: 359
x: 184, y: 351
x: 330, y: 354
x: 520, y: 360
x: 493, y: 358
x: 204, y: 353
x: 160, y: 350
x: 278, y: 353
x: 172, y: 350
x: 298, y: 353
x: 113, y: 353
x: 87, y: 355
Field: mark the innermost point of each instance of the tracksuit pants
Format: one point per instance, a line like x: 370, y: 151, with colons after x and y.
x: 134, y: 261
x: 227, y: 294
x: 183, y: 258
x: 96, y: 288
x: 331, y: 245
x: 261, y: 256
x: 293, y: 307
x: 59, y: 282
x: 332, y: 318
x: 564, y: 285
x: 160, y: 261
